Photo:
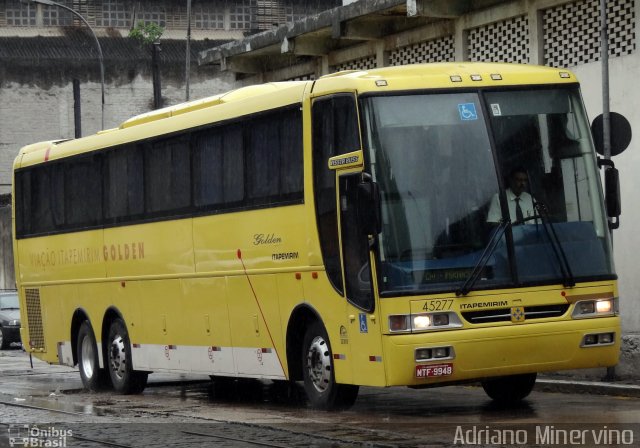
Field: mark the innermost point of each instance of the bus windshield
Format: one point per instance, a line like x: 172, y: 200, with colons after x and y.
x: 446, y: 184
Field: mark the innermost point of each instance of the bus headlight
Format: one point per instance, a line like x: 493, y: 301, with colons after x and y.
x: 415, y: 323
x: 604, y: 306
x: 421, y: 322
x: 595, y: 308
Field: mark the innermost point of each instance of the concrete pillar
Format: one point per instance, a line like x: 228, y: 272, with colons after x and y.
x: 461, y: 43
x: 323, y: 66
x: 536, y: 34
x: 39, y: 14
x: 382, y: 56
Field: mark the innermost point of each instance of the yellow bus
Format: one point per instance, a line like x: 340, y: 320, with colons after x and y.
x: 406, y: 226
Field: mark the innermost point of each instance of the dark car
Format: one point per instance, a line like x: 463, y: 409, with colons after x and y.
x: 9, y: 319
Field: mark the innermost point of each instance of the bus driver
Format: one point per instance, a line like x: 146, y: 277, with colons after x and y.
x: 520, y: 202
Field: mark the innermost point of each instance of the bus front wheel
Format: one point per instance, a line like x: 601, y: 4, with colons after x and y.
x: 125, y: 380
x: 93, y: 377
x: 317, y: 369
x: 510, y: 389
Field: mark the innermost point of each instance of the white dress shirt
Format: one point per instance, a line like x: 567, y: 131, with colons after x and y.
x: 526, y: 205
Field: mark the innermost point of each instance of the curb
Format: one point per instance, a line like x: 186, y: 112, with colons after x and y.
x: 587, y: 387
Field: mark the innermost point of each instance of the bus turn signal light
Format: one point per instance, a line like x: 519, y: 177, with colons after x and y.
x: 399, y: 323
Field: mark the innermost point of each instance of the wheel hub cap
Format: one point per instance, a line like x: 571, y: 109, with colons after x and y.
x: 319, y: 364
x: 117, y: 357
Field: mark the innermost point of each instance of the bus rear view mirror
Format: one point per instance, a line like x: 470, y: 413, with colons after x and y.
x: 612, y: 195
x: 369, y: 216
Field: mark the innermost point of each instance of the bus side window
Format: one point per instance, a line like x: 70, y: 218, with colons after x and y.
x: 335, y: 131
x: 167, y: 175
x: 123, y: 183
x: 83, y: 191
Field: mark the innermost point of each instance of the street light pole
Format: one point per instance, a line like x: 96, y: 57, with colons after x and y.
x: 188, y: 50
x: 100, y: 58
x: 604, y: 56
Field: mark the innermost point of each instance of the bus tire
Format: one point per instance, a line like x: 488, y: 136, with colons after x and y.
x: 317, y: 370
x: 125, y: 380
x: 3, y: 343
x: 93, y: 377
x: 510, y: 389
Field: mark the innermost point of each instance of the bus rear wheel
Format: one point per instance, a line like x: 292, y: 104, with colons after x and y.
x: 509, y: 389
x: 93, y: 377
x: 125, y: 380
x: 317, y: 370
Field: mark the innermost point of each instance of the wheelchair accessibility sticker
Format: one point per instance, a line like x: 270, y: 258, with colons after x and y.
x: 363, y: 323
x: 467, y: 111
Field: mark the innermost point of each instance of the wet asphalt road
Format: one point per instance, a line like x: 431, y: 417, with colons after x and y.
x: 192, y: 411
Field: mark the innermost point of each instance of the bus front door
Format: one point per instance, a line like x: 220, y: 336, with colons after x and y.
x: 364, y: 332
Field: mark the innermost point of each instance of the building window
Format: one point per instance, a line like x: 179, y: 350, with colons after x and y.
x: 240, y: 14
x: 19, y: 14
x: 208, y: 17
x: 114, y: 14
x: 153, y: 14
x: 54, y: 16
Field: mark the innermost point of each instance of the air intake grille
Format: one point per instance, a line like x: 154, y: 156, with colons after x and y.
x: 34, y: 318
x: 504, y: 314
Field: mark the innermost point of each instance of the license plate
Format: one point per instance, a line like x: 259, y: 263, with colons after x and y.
x: 434, y: 370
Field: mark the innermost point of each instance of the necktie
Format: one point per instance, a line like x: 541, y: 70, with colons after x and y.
x: 519, y: 215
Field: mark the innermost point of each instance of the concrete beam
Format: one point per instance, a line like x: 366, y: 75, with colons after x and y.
x: 370, y: 30
x: 308, y: 46
x: 256, y: 64
x: 434, y: 30
x: 294, y: 71
x: 240, y: 65
x: 314, y: 23
x: 376, y: 26
x: 447, y: 9
x: 365, y: 20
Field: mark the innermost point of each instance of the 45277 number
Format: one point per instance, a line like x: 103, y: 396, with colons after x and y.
x: 438, y: 305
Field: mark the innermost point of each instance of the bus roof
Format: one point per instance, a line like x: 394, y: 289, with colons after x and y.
x: 442, y: 75
x: 256, y: 98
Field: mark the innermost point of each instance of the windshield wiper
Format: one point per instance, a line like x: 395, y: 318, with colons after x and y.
x: 484, y: 259
x: 561, y: 256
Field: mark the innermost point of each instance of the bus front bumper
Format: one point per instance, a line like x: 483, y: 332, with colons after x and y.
x: 477, y: 353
